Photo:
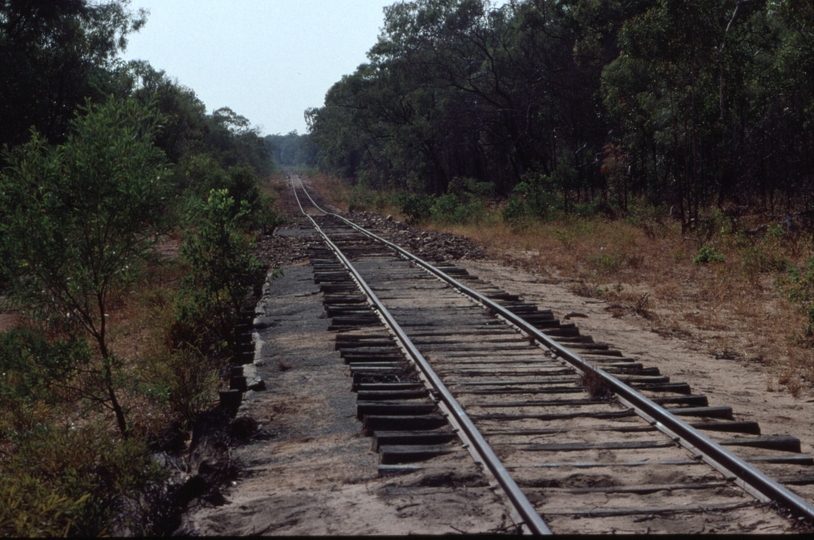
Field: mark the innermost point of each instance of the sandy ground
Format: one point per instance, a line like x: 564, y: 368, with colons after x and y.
x: 312, y: 471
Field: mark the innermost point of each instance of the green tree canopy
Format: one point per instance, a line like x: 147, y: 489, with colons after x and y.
x: 53, y: 55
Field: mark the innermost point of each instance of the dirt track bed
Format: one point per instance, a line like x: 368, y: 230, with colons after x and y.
x: 310, y: 470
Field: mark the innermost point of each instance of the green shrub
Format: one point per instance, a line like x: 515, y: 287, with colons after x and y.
x: 532, y: 198
x: 36, y: 376
x: 222, y: 269
x: 74, y: 480
x: 202, y: 173
x: 417, y: 207
x: 707, y: 255
x: 192, y: 383
x: 799, y: 289
x: 448, y: 209
x: 28, y: 508
x: 361, y: 199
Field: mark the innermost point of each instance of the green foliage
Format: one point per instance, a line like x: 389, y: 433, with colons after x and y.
x: 530, y: 198
x: 292, y: 150
x: 73, y: 481
x: 448, y: 209
x: 417, y: 207
x: 186, y: 380
x: 28, y: 508
x: 80, y: 220
x: 53, y: 56
x: 361, y: 198
x: 222, y: 269
x: 707, y: 255
x: 583, y: 106
x: 459, y: 207
x: 35, y: 375
x: 202, y: 174
x: 81, y: 217
x: 57, y: 478
x: 233, y: 142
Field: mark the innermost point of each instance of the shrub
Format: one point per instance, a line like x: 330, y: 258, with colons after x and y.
x: 707, y: 255
x: 447, y: 209
x: 74, y: 480
x: 417, y: 207
x: 36, y: 375
x: 222, y: 269
x: 202, y: 173
x: 192, y: 383
x: 29, y: 509
x: 79, y: 221
x: 361, y: 199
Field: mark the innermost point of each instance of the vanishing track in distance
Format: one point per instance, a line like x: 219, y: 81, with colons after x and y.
x: 580, y: 438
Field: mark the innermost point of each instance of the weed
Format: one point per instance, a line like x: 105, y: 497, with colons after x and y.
x: 641, y: 304
x: 596, y: 387
x: 798, y: 286
x: 608, y: 263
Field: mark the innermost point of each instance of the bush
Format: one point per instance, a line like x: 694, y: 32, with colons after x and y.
x: 192, y: 383
x: 447, y: 209
x: 28, y: 508
x: 202, y: 173
x: 222, y: 269
x: 361, y: 199
x: 69, y: 480
x: 79, y: 222
x: 531, y: 198
x: 36, y: 375
x: 707, y: 255
x: 417, y: 207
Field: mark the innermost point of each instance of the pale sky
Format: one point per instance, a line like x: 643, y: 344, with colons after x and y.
x: 267, y: 60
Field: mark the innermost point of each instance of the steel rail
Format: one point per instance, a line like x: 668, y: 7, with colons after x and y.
x: 749, y: 478
x: 524, y: 508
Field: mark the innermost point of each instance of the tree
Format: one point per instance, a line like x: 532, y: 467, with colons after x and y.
x: 53, y: 55
x: 79, y: 221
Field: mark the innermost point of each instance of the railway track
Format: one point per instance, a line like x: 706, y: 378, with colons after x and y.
x: 577, y: 436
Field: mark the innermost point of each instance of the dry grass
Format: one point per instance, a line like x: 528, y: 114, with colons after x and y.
x: 735, y: 307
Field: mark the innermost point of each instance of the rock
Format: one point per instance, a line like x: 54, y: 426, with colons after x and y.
x: 257, y: 384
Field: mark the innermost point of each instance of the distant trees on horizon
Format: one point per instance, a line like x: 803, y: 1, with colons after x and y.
x: 683, y: 103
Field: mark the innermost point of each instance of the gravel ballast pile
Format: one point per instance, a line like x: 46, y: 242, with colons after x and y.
x: 436, y: 246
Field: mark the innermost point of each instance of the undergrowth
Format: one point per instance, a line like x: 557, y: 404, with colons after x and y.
x: 64, y: 470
